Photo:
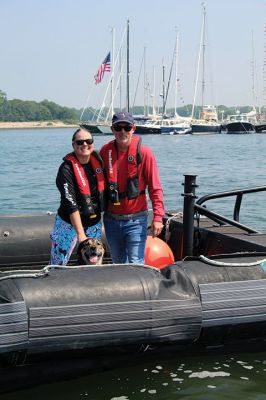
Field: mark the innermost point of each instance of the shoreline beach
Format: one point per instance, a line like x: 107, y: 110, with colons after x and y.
x: 36, y: 124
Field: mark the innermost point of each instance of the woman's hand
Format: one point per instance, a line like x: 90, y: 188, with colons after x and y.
x: 81, y: 237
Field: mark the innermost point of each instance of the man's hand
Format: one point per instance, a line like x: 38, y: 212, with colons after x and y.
x: 156, y: 228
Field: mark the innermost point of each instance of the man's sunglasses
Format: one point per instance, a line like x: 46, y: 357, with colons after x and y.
x: 118, y: 128
x: 80, y: 142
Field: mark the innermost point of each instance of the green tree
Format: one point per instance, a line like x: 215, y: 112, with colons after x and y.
x: 2, y: 97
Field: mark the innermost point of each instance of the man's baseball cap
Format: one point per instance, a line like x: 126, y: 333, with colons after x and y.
x: 123, y: 117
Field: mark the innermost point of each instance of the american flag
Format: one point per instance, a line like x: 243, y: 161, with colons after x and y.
x: 104, y: 67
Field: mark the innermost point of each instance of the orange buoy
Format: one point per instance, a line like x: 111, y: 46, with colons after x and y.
x: 157, y: 253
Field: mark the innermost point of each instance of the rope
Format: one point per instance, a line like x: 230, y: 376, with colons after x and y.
x: 24, y: 273
x: 227, y: 264
x: 167, y: 225
x: 13, y: 274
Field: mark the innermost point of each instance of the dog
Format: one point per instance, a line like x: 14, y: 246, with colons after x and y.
x: 90, y: 252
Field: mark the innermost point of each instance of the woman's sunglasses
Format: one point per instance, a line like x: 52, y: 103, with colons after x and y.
x: 80, y: 142
x: 118, y: 128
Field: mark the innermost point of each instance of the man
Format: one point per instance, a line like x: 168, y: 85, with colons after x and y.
x: 131, y: 169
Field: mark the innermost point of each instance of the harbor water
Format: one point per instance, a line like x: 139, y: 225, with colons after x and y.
x: 29, y: 163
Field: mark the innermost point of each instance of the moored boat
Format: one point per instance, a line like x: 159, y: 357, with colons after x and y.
x: 239, y: 123
x: 148, y: 127
x: 173, y: 127
x: 204, y: 127
x: 164, y: 125
x: 260, y: 127
x: 208, y: 123
x: 97, y: 128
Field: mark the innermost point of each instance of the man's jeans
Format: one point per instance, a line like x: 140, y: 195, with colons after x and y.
x: 126, y: 238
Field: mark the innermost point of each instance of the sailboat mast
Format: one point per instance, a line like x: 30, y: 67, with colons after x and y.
x: 127, y: 66
x: 176, y: 72
x: 144, y: 83
x: 112, y: 71
x: 264, y: 78
x: 163, y: 95
x: 254, y: 100
x: 168, y: 84
x: 154, y: 113
x: 203, y: 56
x: 120, y: 79
x: 198, y: 66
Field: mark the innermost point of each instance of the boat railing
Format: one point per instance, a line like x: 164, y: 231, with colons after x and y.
x: 192, y: 207
x: 238, y: 201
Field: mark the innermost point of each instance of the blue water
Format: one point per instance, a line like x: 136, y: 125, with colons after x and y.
x: 30, y: 159
x: 29, y: 163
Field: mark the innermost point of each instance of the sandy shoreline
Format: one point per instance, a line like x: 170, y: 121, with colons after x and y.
x: 36, y: 124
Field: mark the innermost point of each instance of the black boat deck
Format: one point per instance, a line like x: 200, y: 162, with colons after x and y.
x: 234, y: 232
x: 211, y: 238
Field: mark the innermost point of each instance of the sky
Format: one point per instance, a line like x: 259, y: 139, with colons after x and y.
x: 52, y: 49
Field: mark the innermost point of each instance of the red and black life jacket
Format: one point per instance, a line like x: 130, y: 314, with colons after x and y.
x: 109, y: 154
x: 87, y: 207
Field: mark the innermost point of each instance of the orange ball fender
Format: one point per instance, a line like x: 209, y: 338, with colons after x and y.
x: 157, y: 253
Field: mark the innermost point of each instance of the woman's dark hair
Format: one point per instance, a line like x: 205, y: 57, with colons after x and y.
x: 74, y: 134
x: 79, y: 129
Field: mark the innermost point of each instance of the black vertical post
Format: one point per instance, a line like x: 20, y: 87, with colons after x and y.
x: 188, y: 214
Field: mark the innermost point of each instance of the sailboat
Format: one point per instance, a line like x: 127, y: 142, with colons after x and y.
x: 177, y: 124
x: 208, y: 121
x: 243, y: 122
x: 161, y: 123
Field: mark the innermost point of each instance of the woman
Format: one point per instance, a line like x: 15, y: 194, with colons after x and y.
x: 80, y: 181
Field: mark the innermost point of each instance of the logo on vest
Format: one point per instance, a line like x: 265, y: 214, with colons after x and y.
x: 80, y: 175
x: 98, y: 170
x: 68, y: 195
x: 130, y: 158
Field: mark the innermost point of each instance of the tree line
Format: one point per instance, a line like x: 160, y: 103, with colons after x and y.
x: 24, y: 110
x: 20, y: 110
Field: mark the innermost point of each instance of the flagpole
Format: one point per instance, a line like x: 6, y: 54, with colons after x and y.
x: 176, y: 72
x: 112, y: 71
x: 118, y: 78
x: 145, y: 93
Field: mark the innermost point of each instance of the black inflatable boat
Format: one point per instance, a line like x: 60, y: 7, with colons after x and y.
x: 212, y: 295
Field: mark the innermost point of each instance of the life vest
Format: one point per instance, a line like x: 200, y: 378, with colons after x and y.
x: 109, y: 153
x: 87, y: 207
